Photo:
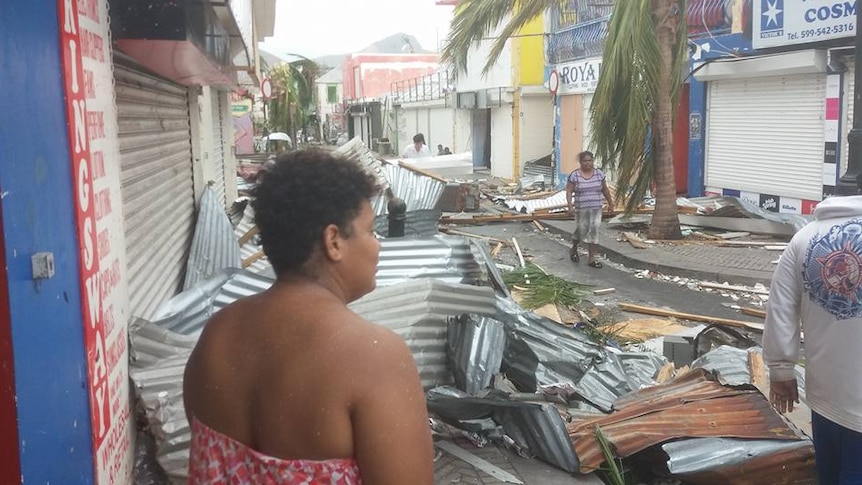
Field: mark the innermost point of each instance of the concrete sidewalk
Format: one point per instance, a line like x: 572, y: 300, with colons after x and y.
x: 741, y: 266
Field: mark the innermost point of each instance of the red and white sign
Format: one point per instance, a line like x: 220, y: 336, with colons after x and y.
x: 95, y: 157
x: 553, y: 82
x: 266, y: 88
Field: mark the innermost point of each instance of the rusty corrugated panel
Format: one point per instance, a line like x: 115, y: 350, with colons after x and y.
x: 693, y: 405
x: 708, y: 461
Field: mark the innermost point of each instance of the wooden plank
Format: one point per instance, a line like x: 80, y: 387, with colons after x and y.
x: 645, y: 328
x: 518, y: 252
x: 539, y: 226
x: 505, y: 218
x: 455, y: 232
x: 635, y: 240
x: 253, y: 231
x: 604, y: 291
x: 745, y: 289
x: 689, y: 316
x: 424, y: 173
x: 497, y: 249
x: 753, y: 312
x: 252, y: 259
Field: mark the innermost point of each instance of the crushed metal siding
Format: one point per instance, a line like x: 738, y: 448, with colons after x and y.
x: 447, y: 258
x: 419, y: 312
x: 536, y: 428
x: 529, y: 206
x: 214, y: 246
x: 722, y: 461
x: 475, y: 351
x: 419, y: 223
x: 357, y: 150
x: 731, y: 366
x: 419, y: 192
x: 540, y: 352
x: 693, y: 405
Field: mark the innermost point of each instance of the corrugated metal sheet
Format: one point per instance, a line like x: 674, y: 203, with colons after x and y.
x: 419, y: 192
x: 723, y: 461
x: 475, y: 351
x: 419, y: 223
x: 356, y: 149
x: 558, y: 199
x: 731, y: 367
x: 540, y: 352
x: 419, y: 312
x: 535, y: 428
x: 214, y: 246
x: 447, y: 258
x: 693, y: 405
x: 157, y: 185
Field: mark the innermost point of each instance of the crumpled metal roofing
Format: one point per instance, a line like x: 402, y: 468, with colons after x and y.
x: 419, y: 311
x: 214, y: 245
x: 475, y: 351
x: 731, y: 367
x: 419, y: 223
x: 722, y: 461
x: 529, y: 206
x: 447, y: 258
x: 419, y: 192
x: 357, y: 150
x: 538, y: 428
x: 693, y: 405
x: 540, y: 352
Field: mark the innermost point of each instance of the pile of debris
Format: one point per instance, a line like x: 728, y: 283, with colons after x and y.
x: 495, y: 372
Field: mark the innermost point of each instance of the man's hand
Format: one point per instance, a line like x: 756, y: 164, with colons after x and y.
x: 783, y: 394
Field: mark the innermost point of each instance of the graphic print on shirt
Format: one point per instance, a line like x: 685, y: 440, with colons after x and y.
x: 832, y: 270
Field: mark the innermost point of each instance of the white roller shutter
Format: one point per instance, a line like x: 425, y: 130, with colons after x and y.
x: 219, y: 143
x: 765, y: 135
x: 588, y: 125
x: 157, y: 185
x: 440, y: 129
x: 847, y: 117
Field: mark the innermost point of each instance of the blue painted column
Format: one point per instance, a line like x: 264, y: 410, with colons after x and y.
x: 696, y: 139
x: 558, y: 156
x: 54, y: 429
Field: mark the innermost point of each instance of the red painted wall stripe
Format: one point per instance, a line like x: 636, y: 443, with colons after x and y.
x: 10, y: 462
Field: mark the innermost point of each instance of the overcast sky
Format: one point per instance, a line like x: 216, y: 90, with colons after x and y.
x: 314, y: 28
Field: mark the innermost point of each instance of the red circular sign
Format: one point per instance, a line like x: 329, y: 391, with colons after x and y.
x: 553, y: 81
x: 266, y: 88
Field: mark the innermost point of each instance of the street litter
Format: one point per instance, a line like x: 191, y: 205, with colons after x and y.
x: 690, y: 316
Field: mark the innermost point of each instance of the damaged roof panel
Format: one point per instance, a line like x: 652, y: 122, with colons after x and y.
x: 693, y: 405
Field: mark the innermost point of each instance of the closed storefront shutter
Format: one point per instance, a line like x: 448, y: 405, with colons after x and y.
x: 847, y: 117
x: 219, y: 143
x: 765, y: 135
x: 157, y: 185
x: 441, y: 128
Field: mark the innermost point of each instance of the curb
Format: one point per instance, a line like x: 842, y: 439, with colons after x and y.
x: 705, y: 273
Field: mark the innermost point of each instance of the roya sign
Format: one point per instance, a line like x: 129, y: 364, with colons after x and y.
x: 579, y: 77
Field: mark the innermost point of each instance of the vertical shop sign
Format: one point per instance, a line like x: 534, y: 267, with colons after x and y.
x: 94, y: 147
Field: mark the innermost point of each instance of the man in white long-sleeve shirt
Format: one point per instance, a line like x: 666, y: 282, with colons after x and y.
x: 818, y: 282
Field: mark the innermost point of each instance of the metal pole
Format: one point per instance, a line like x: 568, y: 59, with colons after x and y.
x: 847, y: 184
x: 397, y: 216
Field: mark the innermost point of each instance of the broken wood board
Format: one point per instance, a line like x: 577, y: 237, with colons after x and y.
x: 505, y: 218
x: 424, y: 173
x: 635, y: 240
x: 548, y: 311
x: 518, y: 252
x: 733, y: 235
x: 754, y: 226
x: 497, y: 249
x: 665, y: 373
x: 253, y: 231
x: 753, y: 312
x: 604, y: 291
x: 539, y: 226
x: 645, y: 329
x: 744, y: 289
x: 456, y: 232
x: 801, y: 414
x: 690, y: 316
x: 253, y: 258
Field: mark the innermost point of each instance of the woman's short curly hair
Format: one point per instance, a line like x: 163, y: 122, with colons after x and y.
x: 299, y: 195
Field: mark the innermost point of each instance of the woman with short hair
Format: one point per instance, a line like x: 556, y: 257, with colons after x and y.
x: 289, y: 385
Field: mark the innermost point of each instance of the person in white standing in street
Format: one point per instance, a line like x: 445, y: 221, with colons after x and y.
x: 418, y: 149
x: 818, y: 283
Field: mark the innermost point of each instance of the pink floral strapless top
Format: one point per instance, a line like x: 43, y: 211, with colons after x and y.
x: 219, y: 459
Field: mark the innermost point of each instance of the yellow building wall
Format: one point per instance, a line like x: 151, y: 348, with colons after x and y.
x: 531, y: 58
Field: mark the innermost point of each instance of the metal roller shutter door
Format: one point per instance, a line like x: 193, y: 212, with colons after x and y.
x: 157, y: 185
x: 765, y: 135
x: 218, y: 144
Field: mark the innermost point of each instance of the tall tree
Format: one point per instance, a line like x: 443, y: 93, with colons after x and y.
x: 645, y: 54
x: 632, y: 111
x: 292, y: 104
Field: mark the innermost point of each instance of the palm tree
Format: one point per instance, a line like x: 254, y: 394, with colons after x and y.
x: 633, y: 107
x: 632, y: 111
x: 292, y: 103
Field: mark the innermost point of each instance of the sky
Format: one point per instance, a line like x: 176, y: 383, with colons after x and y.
x: 314, y: 28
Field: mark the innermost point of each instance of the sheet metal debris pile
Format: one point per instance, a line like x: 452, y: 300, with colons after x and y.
x: 491, y: 369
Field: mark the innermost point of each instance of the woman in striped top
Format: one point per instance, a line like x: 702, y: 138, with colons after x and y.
x: 584, y: 190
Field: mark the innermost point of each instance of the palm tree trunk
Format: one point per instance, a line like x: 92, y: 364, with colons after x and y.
x: 665, y: 221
